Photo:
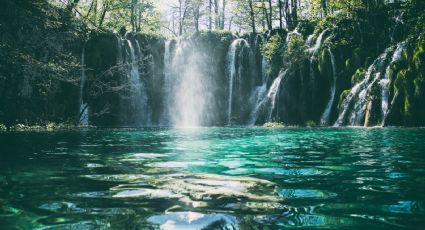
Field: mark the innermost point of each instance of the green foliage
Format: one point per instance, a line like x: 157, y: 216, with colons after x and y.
x: 219, y: 36
x: 273, y: 50
x: 295, y: 50
x: 358, y: 76
x: 114, y: 15
x: 39, y: 62
x: 3, y: 128
x: 311, y: 124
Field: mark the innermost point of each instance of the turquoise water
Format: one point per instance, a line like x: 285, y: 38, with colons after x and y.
x: 213, y: 178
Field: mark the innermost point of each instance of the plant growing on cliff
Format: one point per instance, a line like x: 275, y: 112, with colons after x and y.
x: 295, y: 51
x: 273, y: 50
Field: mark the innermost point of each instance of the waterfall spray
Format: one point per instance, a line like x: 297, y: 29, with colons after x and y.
x: 139, y: 98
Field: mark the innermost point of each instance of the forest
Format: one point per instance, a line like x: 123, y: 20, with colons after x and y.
x: 298, y: 62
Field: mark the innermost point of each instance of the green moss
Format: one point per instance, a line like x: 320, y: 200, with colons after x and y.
x: 324, y: 61
x: 407, y: 106
x: 419, y: 83
x: 342, y: 97
x: 348, y: 63
x: 358, y: 76
x: 419, y: 59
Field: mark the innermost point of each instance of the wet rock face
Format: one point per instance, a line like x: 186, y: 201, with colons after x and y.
x: 325, y: 85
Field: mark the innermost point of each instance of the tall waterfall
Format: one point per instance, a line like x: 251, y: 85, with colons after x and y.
x: 187, y: 97
x: 354, y: 105
x: 324, y: 120
x: 168, y: 84
x: 233, y: 72
x: 84, y: 109
x: 138, y: 91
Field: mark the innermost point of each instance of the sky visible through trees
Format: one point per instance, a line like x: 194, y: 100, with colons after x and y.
x: 179, y: 17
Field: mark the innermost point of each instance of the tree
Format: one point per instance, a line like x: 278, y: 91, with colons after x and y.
x: 252, y: 15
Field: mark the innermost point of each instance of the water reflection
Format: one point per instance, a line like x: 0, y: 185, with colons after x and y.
x: 214, y: 178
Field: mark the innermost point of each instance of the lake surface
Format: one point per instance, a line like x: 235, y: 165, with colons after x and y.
x: 213, y: 178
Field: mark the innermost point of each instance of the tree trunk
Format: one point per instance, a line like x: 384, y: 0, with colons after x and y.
x: 216, y: 15
x: 132, y: 16
x: 223, y: 14
x: 103, y: 14
x: 270, y: 15
x: 252, y: 15
x: 210, y: 15
x: 280, y: 14
x: 180, y: 17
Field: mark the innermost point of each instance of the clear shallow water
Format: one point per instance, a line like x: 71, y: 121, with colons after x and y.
x: 214, y: 178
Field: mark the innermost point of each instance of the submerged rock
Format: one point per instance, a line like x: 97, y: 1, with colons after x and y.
x: 194, y: 220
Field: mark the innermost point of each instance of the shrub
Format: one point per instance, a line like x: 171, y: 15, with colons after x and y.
x: 310, y: 124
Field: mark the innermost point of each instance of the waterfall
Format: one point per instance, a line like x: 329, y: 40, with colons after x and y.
x: 309, y: 41
x: 232, y: 57
x: 386, y: 81
x: 138, y: 92
x: 271, y: 95
x: 267, y: 99
x: 189, y: 91
x: 318, y: 43
x: 84, y: 109
x: 260, y: 93
x: 326, y: 114
x: 314, y: 47
x: 165, y: 116
x: 354, y: 105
